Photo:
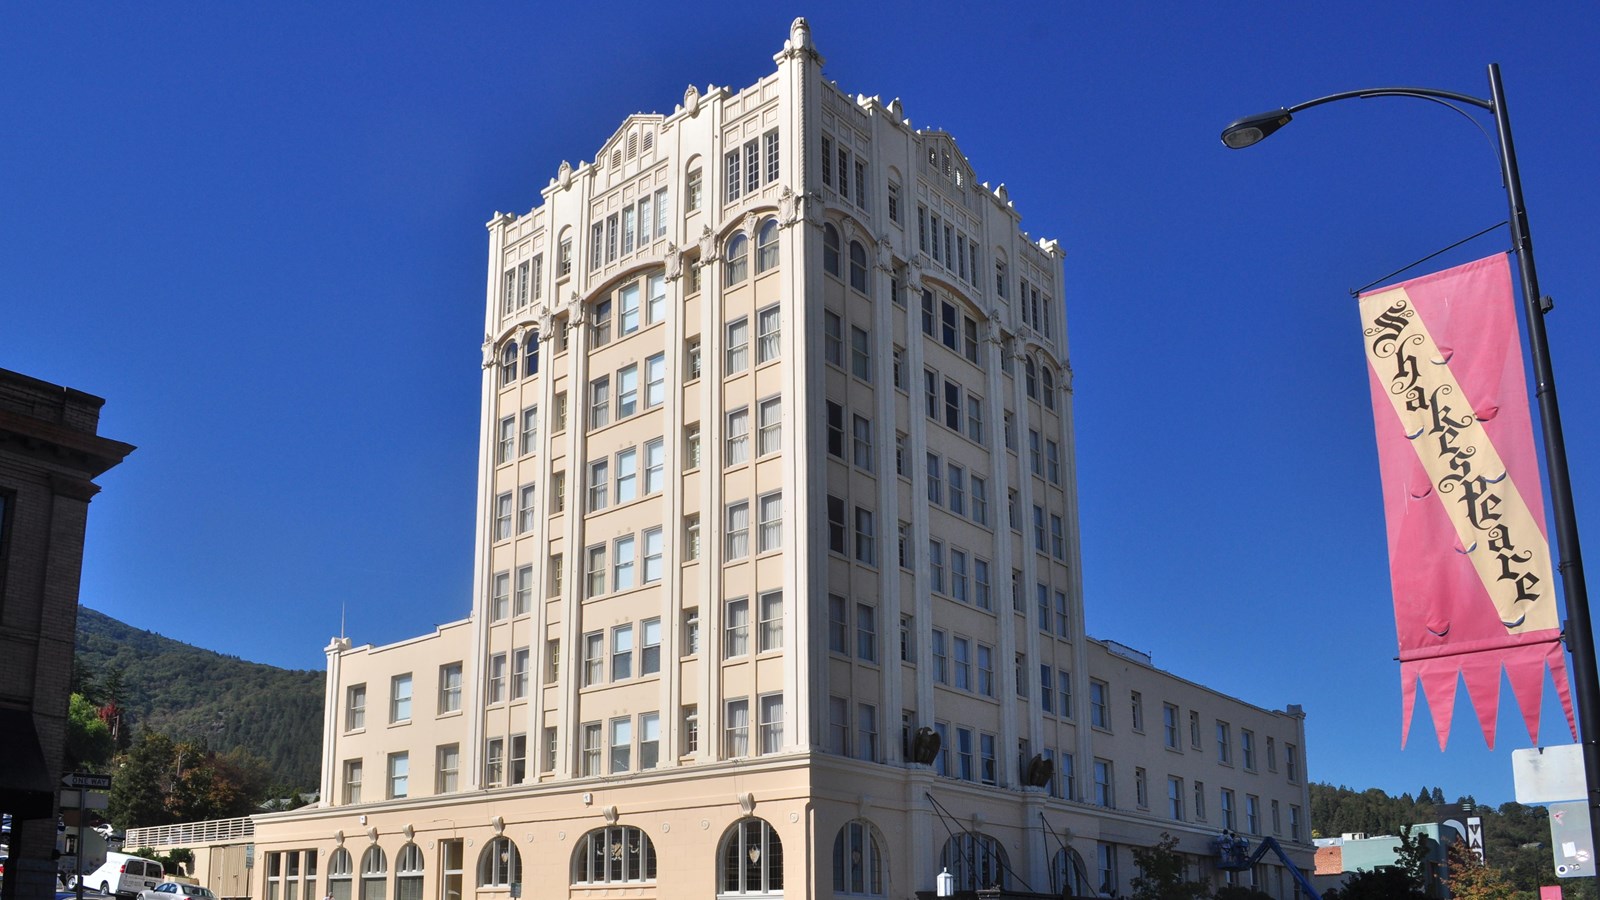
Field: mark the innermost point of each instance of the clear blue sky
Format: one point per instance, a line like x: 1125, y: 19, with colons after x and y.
x: 257, y: 230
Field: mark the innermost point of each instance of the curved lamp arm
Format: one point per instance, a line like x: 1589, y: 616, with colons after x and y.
x: 1252, y: 130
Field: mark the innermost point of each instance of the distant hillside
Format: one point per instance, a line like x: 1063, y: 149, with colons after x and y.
x: 195, y: 694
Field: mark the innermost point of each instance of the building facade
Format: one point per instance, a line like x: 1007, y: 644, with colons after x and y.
x: 777, y: 562
x: 49, y: 455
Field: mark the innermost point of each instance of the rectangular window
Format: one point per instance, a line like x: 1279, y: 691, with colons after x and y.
x: 556, y: 568
x: 732, y: 181
x: 966, y: 767
x: 450, y: 688
x: 1047, y: 693
x: 1227, y: 810
x: 1104, y: 788
x: 655, y: 459
x: 691, y: 192
x: 980, y: 500
x: 519, y: 673
x: 502, y: 516
x: 861, y: 443
x: 691, y: 446
x: 958, y: 575
x: 770, y: 633
x: 691, y: 359
x: 771, y: 724
x: 525, y: 510
x: 653, y: 549
x: 860, y: 354
x: 839, y: 725
x: 627, y: 475
x: 935, y: 481
x: 1291, y: 762
x: 1247, y: 749
x: 691, y: 729
x: 1099, y: 704
x: 400, y: 698
x: 1224, y: 743
x: 941, y: 661
x: 399, y: 775
x: 985, y: 670
x: 836, y: 524
x: 649, y: 740
x: 866, y: 538
x: 769, y: 426
x: 590, y: 751
x: 989, y: 764
x: 650, y: 647
x: 738, y: 352
x: 952, y: 406
x: 530, y: 430
x: 505, y: 445
x: 1175, y: 798
x: 768, y: 334
x: 552, y: 660
x: 736, y: 725
x: 355, y: 707
x: 1136, y: 715
x: 691, y: 631
x: 958, y: 488
x: 621, y: 652
x: 737, y: 531
x: 600, y: 402
x: 595, y: 571
x: 867, y: 732
x: 736, y: 447
x: 1141, y: 788
x: 594, y: 658
x: 866, y: 633
x: 838, y: 624
x: 621, y: 745
x: 769, y: 519
x: 963, y: 663
x: 1200, y: 801
x: 495, y: 683
x: 736, y: 634
x: 936, y: 565
x: 447, y: 767
x: 691, y: 537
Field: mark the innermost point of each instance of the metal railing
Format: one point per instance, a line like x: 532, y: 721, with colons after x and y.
x: 215, y: 831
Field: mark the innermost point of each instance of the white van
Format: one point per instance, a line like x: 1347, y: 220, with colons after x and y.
x: 124, y: 875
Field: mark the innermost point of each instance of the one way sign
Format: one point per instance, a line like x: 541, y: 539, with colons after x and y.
x: 85, y: 781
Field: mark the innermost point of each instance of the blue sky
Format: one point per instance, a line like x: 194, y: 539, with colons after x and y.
x: 257, y: 230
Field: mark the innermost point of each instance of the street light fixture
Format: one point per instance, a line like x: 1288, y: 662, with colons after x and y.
x: 1579, y: 633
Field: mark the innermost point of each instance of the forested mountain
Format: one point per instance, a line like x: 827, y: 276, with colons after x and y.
x: 192, y: 694
x: 1516, y: 837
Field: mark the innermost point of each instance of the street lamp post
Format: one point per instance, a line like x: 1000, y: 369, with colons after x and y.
x: 1579, y: 633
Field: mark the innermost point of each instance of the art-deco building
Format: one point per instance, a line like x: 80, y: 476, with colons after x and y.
x: 777, y: 570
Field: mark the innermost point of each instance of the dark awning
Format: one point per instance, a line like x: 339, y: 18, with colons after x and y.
x: 27, y: 785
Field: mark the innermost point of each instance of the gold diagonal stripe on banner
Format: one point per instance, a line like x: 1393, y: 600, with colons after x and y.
x: 1449, y: 440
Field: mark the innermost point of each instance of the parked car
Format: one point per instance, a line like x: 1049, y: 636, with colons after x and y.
x: 172, y: 890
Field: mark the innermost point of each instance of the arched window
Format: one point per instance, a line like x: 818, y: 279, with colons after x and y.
x: 1047, y: 383
x: 767, y: 246
x: 738, y: 260
x: 858, y: 860
x: 614, y: 855
x: 830, y: 250
x: 508, y: 363
x: 858, y: 267
x: 499, y: 865
x: 751, y: 860
x: 977, y: 861
x: 339, y: 870
x: 530, y: 355
x: 1030, y: 373
x: 408, y: 873
x: 1068, y: 876
x: 374, y: 874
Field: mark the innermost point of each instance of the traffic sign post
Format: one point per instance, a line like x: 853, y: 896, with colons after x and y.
x: 83, y: 782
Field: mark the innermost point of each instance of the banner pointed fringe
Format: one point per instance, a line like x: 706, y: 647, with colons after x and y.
x: 1524, y: 665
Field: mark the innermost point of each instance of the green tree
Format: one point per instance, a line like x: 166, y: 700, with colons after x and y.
x: 1163, y: 874
x: 1472, y: 880
x: 89, y: 744
x: 1387, y: 883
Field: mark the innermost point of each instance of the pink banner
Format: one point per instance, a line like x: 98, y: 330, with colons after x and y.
x: 1469, y: 559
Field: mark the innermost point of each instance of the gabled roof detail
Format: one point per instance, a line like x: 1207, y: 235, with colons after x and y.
x: 941, y: 156
x: 636, y: 136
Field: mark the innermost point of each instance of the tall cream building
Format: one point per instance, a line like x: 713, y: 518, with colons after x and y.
x: 777, y: 566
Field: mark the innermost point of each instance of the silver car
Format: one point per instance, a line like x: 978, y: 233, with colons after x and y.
x: 171, y: 890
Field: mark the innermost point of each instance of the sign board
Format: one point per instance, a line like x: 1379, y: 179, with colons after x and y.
x: 1549, y: 774
x: 1571, y: 839
x: 91, y: 799
x: 85, y: 781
